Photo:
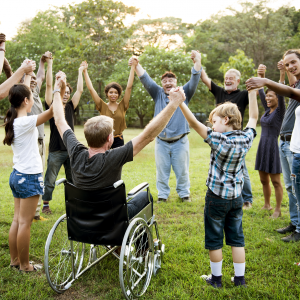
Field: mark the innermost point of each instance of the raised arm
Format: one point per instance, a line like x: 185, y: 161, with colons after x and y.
x: 40, y: 76
x: 133, y: 62
x: 292, y: 79
x: 90, y: 87
x: 7, y: 68
x: 27, y: 67
x: 138, y: 69
x: 253, y: 109
x: 49, y: 79
x: 205, y: 79
x: 157, y: 124
x: 58, y: 110
x: 79, y: 91
x: 2, y: 50
x: 278, y: 88
x: 261, y: 71
x: 44, y: 116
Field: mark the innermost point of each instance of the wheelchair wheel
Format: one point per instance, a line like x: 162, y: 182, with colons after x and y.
x: 136, y: 259
x: 58, y: 262
x: 157, y: 262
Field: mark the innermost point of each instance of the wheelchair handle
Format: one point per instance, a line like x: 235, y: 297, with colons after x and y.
x: 62, y: 180
x: 137, y: 189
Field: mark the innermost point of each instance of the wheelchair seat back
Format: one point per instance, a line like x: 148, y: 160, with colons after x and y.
x: 97, y: 217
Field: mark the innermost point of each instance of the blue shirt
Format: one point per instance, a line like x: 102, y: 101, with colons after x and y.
x: 178, y: 124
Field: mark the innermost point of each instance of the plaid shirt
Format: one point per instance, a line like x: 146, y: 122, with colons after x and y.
x: 228, y: 150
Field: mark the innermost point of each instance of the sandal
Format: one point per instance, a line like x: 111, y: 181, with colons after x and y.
x: 35, y: 269
x: 46, y: 210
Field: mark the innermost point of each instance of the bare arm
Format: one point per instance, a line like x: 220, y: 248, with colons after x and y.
x: 79, y: 91
x: 139, y: 70
x: 200, y: 128
x: 26, y: 67
x: 196, y: 58
x: 292, y: 79
x: 2, y: 50
x: 90, y: 87
x: 49, y: 79
x: 7, y: 68
x: 157, y: 124
x: 27, y: 80
x: 278, y: 88
x: 40, y: 76
x: 44, y: 116
x: 133, y: 63
x: 253, y: 109
x: 205, y: 79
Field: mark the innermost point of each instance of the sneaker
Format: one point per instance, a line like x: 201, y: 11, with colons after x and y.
x: 186, y: 199
x: 160, y: 200
x: 294, y: 237
x: 214, y: 281
x: 289, y: 228
x: 46, y: 210
x: 239, y: 281
x: 39, y: 218
x: 247, y: 205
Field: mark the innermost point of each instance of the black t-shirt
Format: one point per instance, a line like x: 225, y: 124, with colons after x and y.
x: 240, y: 98
x: 99, y: 171
x: 56, y: 143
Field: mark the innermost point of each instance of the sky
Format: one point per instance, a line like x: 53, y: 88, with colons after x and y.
x: 13, y: 12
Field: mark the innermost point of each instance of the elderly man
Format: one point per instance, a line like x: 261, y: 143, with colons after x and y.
x: 97, y: 166
x: 231, y: 93
x: 172, y: 144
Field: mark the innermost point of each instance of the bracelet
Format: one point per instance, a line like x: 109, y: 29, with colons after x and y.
x: 55, y: 91
x: 1, y: 49
x: 282, y: 82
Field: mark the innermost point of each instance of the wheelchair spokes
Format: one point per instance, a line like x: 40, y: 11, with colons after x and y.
x: 58, y: 258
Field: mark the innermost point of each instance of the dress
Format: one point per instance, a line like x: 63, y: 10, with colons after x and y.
x: 267, y: 156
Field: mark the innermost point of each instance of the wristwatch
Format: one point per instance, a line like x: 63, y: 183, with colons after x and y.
x: 57, y: 90
x: 282, y: 82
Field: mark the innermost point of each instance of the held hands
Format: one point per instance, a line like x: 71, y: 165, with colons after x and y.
x: 60, y: 80
x: 255, y: 83
x: 280, y: 66
x: 177, y: 96
x: 83, y: 66
x: 47, y: 57
x: 28, y: 66
x: 133, y: 61
x: 261, y: 71
x: 195, y: 56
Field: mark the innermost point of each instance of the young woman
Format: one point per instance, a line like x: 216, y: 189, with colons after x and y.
x: 115, y: 110
x: 26, y: 180
x: 267, y: 157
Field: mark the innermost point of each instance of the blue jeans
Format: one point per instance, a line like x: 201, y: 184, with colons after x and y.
x: 175, y: 155
x: 55, y: 161
x: 295, y: 177
x: 221, y: 215
x: 286, y: 159
x: 247, y: 191
x: 136, y: 204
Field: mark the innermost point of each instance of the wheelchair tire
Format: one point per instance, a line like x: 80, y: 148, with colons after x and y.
x: 58, y: 262
x: 136, y: 259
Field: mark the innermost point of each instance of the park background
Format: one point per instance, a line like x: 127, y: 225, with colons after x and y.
x: 96, y: 31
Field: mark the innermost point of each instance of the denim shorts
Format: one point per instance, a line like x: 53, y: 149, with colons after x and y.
x: 26, y: 185
x: 220, y: 216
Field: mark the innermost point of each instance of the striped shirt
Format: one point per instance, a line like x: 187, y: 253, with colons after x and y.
x: 228, y: 150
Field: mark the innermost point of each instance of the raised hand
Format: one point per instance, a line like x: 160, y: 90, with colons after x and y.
x: 133, y: 61
x: 83, y: 66
x: 60, y: 78
x: 280, y: 65
x: 28, y: 66
x: 261, y: 71
x: 47, y: 57
x: 177, y: 95
x: 255, y: 83
x: 195, y: 56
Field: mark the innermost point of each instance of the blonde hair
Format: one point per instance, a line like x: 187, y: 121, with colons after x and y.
x: 97, y: 129
x: 229, y: 110
x: 236, y: 72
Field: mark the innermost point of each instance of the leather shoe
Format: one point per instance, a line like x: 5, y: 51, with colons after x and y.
x: 160, y: 200
x: 294, y: 237
x: 289, y: 228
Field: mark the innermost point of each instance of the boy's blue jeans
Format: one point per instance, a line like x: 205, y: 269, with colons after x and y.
x: 295, y: 176
x: 221, y: 216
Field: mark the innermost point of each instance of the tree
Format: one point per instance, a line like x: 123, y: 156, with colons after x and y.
x: 156, y: 62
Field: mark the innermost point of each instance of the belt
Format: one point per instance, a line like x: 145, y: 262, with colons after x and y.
x: 286, y: 138
x: 173, y: 141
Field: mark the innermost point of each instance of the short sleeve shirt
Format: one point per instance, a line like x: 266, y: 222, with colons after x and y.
x: 118, y: 116
x: 56, y: 143
x: 228, y: 150
x: 37, y: 109
x: 240, y: 98
x: 99, y: 171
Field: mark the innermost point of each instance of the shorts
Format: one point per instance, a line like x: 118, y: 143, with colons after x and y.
x: 221, y: 215
x: 26, y: 185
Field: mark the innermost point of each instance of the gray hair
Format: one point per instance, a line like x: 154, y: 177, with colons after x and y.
x: 236, y: 72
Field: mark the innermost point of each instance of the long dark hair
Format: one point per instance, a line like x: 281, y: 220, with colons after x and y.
x: 16, y: 96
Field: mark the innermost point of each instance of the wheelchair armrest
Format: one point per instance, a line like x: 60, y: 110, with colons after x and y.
x: 137, y: 189
x: 62, y: 180
x: 118, y: 183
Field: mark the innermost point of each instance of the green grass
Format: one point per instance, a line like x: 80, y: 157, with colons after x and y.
x: 270, y: 273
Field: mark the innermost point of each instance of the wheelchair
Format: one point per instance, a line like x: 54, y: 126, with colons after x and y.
x: 100, y: 218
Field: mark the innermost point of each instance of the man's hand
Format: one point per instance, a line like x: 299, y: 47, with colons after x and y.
x: 255, y: 82
x: 195, y: 56
x: 83, y: 66
x: 177, y: 96
x: 60, y: 80
x: 280, y: 66
x: 133, y: 61
x: 28, y: 66
x: 261, y: 71
x: 46, y: 57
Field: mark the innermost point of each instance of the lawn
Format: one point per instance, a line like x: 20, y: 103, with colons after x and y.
x: 270, y: 269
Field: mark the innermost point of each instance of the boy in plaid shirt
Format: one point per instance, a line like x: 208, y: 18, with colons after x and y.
x: 223, y: 202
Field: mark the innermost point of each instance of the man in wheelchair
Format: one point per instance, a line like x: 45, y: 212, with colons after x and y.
x: 97, y: 167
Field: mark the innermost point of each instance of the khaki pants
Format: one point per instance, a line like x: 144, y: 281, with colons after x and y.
x: 42, y: 150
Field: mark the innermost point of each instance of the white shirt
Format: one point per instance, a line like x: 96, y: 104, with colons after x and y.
x: 27, y: 158
x: 295, y: 140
